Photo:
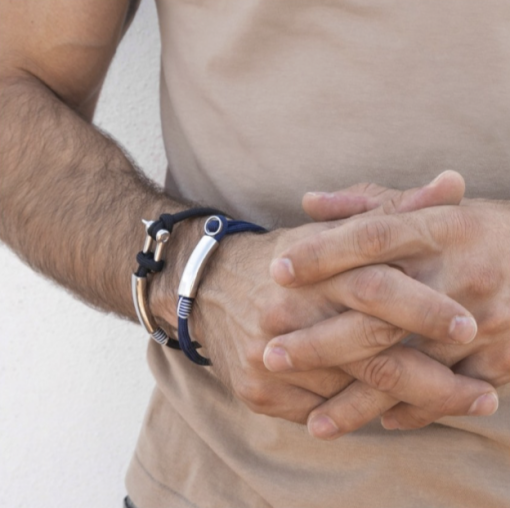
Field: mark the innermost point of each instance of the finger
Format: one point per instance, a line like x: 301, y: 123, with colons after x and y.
x: 402, y: 374
x: 388, y: 294
x: 407, y: 417
x: 376, y: 237
x: 370, y: 239
x: 447, y: 189
x: 350, y: 410
x: 323, y: 382
x: 380, y: 294
x: 362, y: 241
x: 411, y: 376
x: 346, y: 338
x: 278, y: 399
x: 490, y: 364
x: 360, y: 198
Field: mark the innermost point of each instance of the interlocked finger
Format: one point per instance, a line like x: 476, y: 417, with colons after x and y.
x: 361, y: 241
x: 401, y: 374
x: 323, y: 382
x: 385, y: 292
x: 407, y: 417
x: 490, y: 365
x: 346, y: 338
x: 381, y: 292
x: 447, y: 189
x: 277, y: 398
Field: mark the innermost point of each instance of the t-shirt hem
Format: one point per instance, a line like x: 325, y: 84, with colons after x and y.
x: 147, y: 492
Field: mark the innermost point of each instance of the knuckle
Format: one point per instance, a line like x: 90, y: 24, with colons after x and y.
x: 449, y: 404
x: 371, y: 285
x: 496, y: 321
x: 375, y: 333
x: 365, y: 407
x: 257, y: 409
x: 318, y: 354
x: 355, y: 416
x: 431, y: 315
x: 316, y: 253
x: 492, y: 366
x: 331, y: 382
x: 277, y: 316
x: 384, y: 373
x: 297, y: 416
x: 458, y: 226
x: 484, y: 280
x: 439, y: 351
x: 392, y: 204
x: 254, y: 353
x: 374, y: 237
x: 254, y: 394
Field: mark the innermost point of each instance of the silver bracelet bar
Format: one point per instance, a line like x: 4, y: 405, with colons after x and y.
x: 195, y: 266
x: 139, y: 286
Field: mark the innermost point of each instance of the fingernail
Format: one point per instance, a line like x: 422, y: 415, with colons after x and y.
x: 463, y: 329
x: 437, y: 178
x: 323, y: 427
x: 276, y: 359
x: 316, y: 195
x: 282, y: 271
x: 484, y: 405
x: 389, y: 422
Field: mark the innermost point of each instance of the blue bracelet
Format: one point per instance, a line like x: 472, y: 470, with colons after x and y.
x: 216, y: 228
x: 150, y: 262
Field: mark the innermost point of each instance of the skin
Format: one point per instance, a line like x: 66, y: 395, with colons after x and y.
x: 458, y: 250
x: 71, y: 203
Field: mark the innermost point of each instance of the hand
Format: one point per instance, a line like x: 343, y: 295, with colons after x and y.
x: 456, y: 250
x: 239, y: 309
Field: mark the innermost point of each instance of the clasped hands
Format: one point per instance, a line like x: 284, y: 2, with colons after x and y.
x: 400, y: 311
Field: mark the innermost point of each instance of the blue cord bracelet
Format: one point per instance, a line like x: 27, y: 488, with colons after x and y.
x: 216, y: 228
x: 150, y: 262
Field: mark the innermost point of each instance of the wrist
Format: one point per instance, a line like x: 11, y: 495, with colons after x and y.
x: 236, y: 277
x: 163, y: 294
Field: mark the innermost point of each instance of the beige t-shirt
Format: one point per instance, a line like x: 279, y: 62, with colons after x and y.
x: 263, y: 100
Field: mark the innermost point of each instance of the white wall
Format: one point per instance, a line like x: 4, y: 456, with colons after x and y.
x: 73, y: 382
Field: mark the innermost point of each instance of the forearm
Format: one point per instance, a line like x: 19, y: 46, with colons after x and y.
x: 70, y: 200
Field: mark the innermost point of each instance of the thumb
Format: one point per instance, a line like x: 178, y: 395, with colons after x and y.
x: 446, y: 189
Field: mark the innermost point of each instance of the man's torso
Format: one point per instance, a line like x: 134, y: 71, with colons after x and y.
x: 263, y: 101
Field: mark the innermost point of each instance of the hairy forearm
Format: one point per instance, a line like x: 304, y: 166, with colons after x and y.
x: 70, y: 199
